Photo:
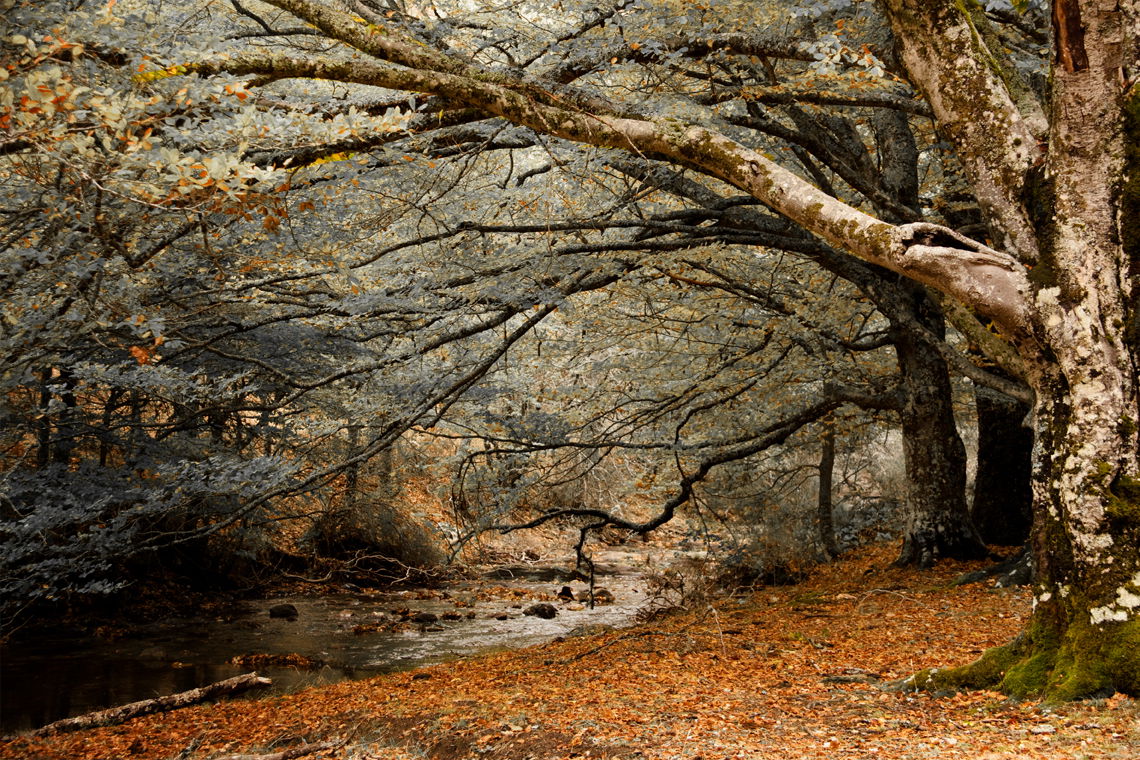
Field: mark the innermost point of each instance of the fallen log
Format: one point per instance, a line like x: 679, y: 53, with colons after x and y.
x: 126, y: 712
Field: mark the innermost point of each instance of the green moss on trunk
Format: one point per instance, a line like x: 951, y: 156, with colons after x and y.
x: 1096, y: 661
x: 1123, y: 501
x: 987, y: 672
x: 1087, y: 661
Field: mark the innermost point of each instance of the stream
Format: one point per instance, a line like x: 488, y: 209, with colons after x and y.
x: 52, y: 677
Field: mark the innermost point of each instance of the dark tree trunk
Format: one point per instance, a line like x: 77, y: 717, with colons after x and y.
x: 67, y: 424
x: 43, y: 424
x: 1002, y: 510
x: 824, y: 504
x: 938, y: 521
x: 135, y: 435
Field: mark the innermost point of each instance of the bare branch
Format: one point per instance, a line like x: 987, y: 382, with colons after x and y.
x: 987, y: 280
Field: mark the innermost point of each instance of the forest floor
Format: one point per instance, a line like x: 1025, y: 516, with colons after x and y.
x: 785, y: 672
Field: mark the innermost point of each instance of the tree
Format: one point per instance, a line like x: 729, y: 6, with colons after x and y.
x: 1052, y: 279
x: 703, y: 369
x: 1002, y: 508
x: 1058, y: 194
x: 166, y: 399
x: 937, y: 523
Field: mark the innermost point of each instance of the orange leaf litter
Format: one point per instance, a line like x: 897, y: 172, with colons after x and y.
x: 783, y: 673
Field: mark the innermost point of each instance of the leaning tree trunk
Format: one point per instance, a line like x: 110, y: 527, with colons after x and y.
x: 938, y: 521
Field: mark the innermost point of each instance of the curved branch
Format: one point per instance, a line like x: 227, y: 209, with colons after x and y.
x: 993, y: 283
x: 984, y: 279
x: 772, y: 435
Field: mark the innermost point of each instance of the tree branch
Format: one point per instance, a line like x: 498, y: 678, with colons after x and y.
x: 991, y: 282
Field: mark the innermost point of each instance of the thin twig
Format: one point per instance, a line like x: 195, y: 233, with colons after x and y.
x: 289, y: 754
x: 872, y: 592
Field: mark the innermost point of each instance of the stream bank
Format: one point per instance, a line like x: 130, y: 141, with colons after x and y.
x: 785, y: 672
x: 336, y: 636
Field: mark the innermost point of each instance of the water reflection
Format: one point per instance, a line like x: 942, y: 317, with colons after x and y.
x: 53, y: 677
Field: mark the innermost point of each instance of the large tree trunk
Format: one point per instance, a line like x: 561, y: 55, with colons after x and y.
x: 938, y: 521
x: 1002, y: 508
x: 1083, y: 638
x: 1087, y: 474
x: 1086, y: 543
x: 938, y: 524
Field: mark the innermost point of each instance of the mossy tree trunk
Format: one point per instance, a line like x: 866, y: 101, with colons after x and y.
x: 1062, y: 210
x: 1087, y: 536
x: 1087, y: 546
x: 1085, y: 633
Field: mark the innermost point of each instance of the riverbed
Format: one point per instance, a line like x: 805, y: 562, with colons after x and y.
x: 349, y: 634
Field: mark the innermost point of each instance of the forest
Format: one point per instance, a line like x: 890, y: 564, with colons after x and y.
x: 340, y: 296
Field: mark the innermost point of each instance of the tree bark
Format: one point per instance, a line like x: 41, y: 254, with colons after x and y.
x: 123, y: 713
x: 67, y: 422
x: 1083, y: 638
x: 824, y: 504
x: 1002, y: 508
x: 1085, y: 626
x: 938, y: 521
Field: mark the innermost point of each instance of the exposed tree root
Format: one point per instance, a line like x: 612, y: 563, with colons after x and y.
x: 1084, y: 662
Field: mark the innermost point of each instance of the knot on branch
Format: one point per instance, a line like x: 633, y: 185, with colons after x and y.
x: 923, y: 240
x: 937, y: 236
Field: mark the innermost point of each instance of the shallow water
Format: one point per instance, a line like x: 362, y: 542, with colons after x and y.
x: 53, y: 677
